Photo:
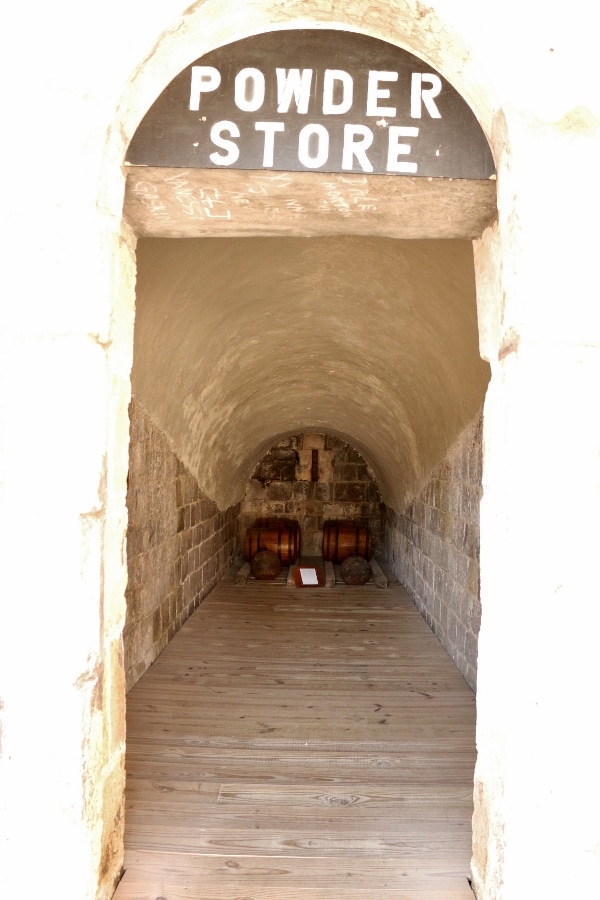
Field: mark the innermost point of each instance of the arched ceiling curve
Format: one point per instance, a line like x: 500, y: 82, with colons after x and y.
x: 240, y: 341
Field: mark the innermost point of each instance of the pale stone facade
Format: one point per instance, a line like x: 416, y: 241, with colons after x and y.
x: 78, y: 80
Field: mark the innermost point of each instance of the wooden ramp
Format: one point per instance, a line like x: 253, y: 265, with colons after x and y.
x: 300, y: 744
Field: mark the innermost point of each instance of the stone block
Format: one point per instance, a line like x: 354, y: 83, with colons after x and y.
x: 353, y: 492
x: 373, y: 495
x: 473, y: 580
x: 326, y: 473
x: 156, y: 625
x: 277, y: 508
x: 284, y: 454
x: 304, y: 465
x: 287, y: 470
x: 255, y: 490
x: 311, y: 523
x: 347, y: 472
x: 474, y: 616
x: 180, y: 519
x: 207, y: 509
x: 418, y: 512
x: 433, y: 519
x: 471, y: 647
x: 280, y: 490
x: 313, y: 442
x: 301, y: 490
x: 179, y: 501
x: 349, y: 454
x: 311, y: 543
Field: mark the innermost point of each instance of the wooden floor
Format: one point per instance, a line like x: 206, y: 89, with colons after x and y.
x: 299, y: 744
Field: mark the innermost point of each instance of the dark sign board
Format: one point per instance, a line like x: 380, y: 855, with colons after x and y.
x: 313, y: 100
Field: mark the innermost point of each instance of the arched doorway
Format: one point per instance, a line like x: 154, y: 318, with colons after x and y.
x: 145, y: 210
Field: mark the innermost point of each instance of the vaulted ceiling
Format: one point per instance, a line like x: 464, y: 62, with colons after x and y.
x: 242, y: 340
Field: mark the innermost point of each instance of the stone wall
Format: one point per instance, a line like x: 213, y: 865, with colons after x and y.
x: 178, y: 545
x: 282, y: 485
x: 434, y: 550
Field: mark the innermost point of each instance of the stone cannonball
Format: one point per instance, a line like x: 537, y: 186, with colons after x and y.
x: 355, y: 570
x: 265, y: 565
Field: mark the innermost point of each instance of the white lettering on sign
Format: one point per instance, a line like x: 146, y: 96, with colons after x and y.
x: 269, y: 128
x: 232, y: 155
x: 418, y: 94
x: 294, y: 89
x: 249, y: 94
x: 331, y: 79
x: 395, y: 149
x: 204, y: 78
x: 293, y: 83
x: 375, y: 93
x: 313, y: 146
x: 354, y: 148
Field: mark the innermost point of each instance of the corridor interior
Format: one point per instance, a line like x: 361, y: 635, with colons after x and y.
x: 285, y: 743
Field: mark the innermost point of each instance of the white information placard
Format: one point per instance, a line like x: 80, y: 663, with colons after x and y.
x: 309, y: 576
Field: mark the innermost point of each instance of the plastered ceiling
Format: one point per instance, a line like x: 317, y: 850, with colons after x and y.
x: 242, y: 340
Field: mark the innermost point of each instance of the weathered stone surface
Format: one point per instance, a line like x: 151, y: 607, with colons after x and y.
x: 405, y: 208
x: 434, y: 550
x: 178, y: 545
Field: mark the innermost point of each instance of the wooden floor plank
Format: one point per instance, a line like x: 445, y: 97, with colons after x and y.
x: 300, y: 744
x: 174, y: 875
x: 131, y: 889
x: 245, y: 841
x: 272, y: 870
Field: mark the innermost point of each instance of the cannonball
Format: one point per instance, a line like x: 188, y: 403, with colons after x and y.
x: 265, y: 565
x: 355, y: 570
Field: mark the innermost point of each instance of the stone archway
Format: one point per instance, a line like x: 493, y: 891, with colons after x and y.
x: 411, y: 31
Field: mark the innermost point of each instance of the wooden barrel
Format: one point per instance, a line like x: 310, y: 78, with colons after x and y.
x: 284, y: 540
x: 343, y: 539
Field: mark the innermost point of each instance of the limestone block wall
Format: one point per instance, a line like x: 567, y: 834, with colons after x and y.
x: 178, y: 545
x: 282, y: 485
x: 434, y: 550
